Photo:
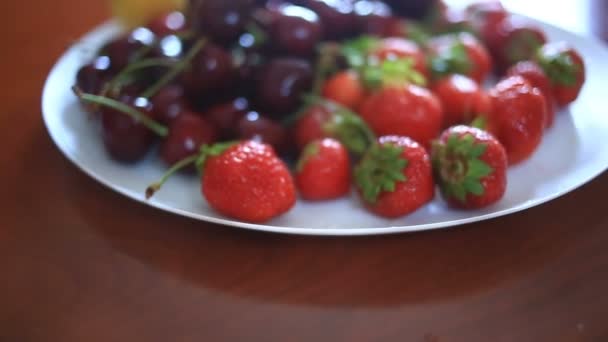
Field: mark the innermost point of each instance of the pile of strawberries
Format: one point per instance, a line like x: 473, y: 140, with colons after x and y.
x: 396, y: 114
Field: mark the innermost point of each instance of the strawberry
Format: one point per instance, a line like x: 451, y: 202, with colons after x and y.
x: 516, y: 41
x: 471, y: 167
x: 405, y: 110
x: 326, y: 119
x: 486, y: 18
x: 565, y: 68
x: 366, y: 51
x: 462, y: 99
x: 459, y: 54
x: 345, y: 88
x: 518, y: 117
x: 245, y: 181
x: 324, y: 170
x: 400, y: 48
x: 534, y: 74
x: 395, y: 177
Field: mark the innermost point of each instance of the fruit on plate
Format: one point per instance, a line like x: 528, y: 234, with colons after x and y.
x: 407, y: 110
x: 535, y: 74
x: 565, y: 68
x: 518, y: 117
x: 325, y: 119
x: 462, y: 99
x: 470, y: 167
x: 395, y: 177
x: 234, y: 84
x: 345, y: 88
x: 323, y: 171
x: 247, y: 181
x: 459, y: 54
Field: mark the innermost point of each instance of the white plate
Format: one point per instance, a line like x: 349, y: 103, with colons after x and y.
x: 573, y: 152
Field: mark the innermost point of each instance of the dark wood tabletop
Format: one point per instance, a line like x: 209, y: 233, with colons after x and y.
x: 82, y: 263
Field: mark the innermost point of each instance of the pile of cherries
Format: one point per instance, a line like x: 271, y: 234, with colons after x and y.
x: 223, y: 70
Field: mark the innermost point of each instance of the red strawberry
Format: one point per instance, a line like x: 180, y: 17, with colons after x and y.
x: 486, y: 18
x: 516, y: 41
x: 462, y: 99
x: 460, y: 54
x: 565, y: 68
x: 471, y: 167
x: 395, y: 177
x: 399, y: 48
x: 518, y: 117
x: 324, y: 170
x: 326, y: 119
x: 534, y: 74
x: 247, y: 182
x: 345, y: 88
x: 406, y: 110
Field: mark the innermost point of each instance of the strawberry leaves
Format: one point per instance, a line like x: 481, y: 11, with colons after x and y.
x: 380, y: 170
x: 559, y: 67
x: 459, y: 166
x: 454, y: 60
x: 391, y: 72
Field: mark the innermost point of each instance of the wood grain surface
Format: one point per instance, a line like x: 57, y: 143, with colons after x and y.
x: 82, y: 263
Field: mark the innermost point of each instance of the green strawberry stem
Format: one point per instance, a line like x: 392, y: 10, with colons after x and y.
x: 177, y: 69
x: 391, y: 73
x: 560, y: 67
x: 453, y: 61
x: 112, y: 87
x: 154, y: 188
x: 379, y: 171
x: 459, y: 166
x: 152, y: 125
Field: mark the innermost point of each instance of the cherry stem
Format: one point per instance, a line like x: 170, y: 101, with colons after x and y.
x: 152, y: 189
x: 118, y: 80
x: 175, y: 70
x: 325, y: 62
x: 152, y: 125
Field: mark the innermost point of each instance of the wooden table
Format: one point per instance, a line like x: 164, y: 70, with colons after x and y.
x: 82, y: 263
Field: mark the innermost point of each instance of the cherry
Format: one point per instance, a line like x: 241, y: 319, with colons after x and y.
x: 222, y: 20
x: 375, y: 18
x: 167, y: 24
x: 336, y: 15
x: 415, y: 9
x: 187, y: 134
x: 127, y: 48
x: 170, y: 46
x: 254, y: 126
x: 226, y: 116
x: 125, y: 138
x: 91, y: 77
x: 169, y: 103
x: 297, y: 30
x: 211, y: 69
x: 282, y: 83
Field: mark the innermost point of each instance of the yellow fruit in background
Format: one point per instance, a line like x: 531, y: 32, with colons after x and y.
x: 138, y: 12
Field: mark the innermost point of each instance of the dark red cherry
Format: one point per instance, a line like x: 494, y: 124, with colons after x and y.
x: 91, y: 77
x: 169, y: 103
x: 123, y: 50
x: 186, y: 136
x: 222, y: 20
x: 337, y: 16
x: 211, y: 69
x: 415, y: 9
x: 170, y: 46
x: 375, y: 18
x: 254, y: 126
x: 167, y: 24
x: 297, y: 30
x: 227, y: 115
x: 126, y: 139
x: 282, y: 83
